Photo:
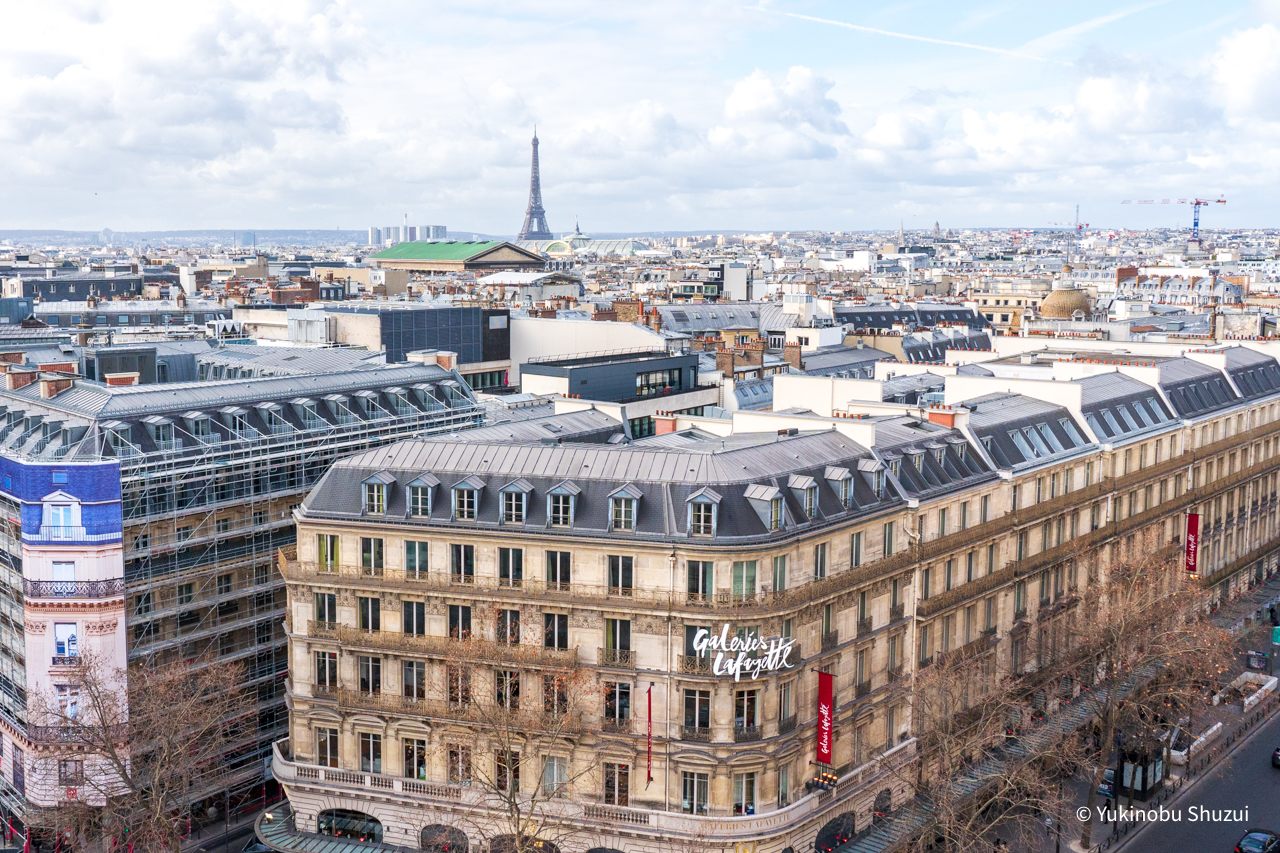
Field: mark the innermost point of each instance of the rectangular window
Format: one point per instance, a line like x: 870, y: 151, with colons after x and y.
x: 775, y: 514
x: 462, y: 563
x: 506, y: 775
x: 326, y: 671
x: 327, y: 747
x: 419, y: 500
x: 555, y: 775
x: 744, y: 580
x: 558, y: 570
x: 969, y: 568
x: 327, y: 552
x: 855, y: 549
x: 693, y: 798
x: 555, y: 630
x: 370, y: 613
x: 617, y: 635
x: 820, y: 561
x: 326, y: 608
x: 414, y: 618
x: 508, y: 631
x: 459, y: 621
x: 984, y: 511
x: 513, y: 507
x: 555, y: 695
x: 744, y: 793
x: 370, y: 670
x: 511, y: 567
x: 780, y: 573
x: 413, y: 674
x: 464, y: 504
x: 621, y: 575
x: 617, y: 784
x: 375, y: 498
x: 459, y: 760
x: 225, y: 584
x: 415, y: 559
x: 991, y: 558
x: 560, y: 510
x: 370, y: 752
x: 701, y: 580
x: 624, y: 513
x: 926, y: 582
x: 457, y: 682
x: 371, y: 557
x: 65, y: 642
x: 186, y: 593
x: 888, y: 537
x: 949, y: 576
x: 697, y: 709
x: 415, y: 758
x: 506, y: 684
x: 617, y: 703
x: 942, y: 522
x: 702, y: 519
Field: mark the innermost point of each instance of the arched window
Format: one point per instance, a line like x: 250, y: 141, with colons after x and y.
x: 347, y: 823
x: 439, y: 838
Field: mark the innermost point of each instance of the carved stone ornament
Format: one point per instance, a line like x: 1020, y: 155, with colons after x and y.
x: 35, y: 627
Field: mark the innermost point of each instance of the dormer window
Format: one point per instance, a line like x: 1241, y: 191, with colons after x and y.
x: 514, y: 507
x: 775, y: 513
x: 703, y: 505
x: 623, y: 513
x: 842, y: 481
x: 375, y: 498
x: 939, y: 455
x: 622, y: 508
x: 374, y: 493
x: 464, y: 504
x: 877, y: 483
x: 811, y: 501
x: 895, y: 466
x: 419, y: 500
x: 561, y: 504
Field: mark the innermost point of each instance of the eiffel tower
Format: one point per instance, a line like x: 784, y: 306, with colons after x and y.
x: 535, y: 218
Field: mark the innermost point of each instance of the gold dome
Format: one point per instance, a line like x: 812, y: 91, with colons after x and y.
x: 1063, y: 303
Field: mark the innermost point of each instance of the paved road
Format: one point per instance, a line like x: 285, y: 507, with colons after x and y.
x: 1246, y: 779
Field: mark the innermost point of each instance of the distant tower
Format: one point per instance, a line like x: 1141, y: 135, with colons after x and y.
x: 535, y: 218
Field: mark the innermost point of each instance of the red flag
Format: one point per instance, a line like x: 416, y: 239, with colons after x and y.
x: 826, y: 716
x: 1191, y: 547
x: 649, y: 738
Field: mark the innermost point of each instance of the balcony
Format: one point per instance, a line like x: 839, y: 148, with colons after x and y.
x: 66, y: 660
x: 696, y: 734
x: 468, y: 649
x: 695, y: 665
x: 622, y: 591
x: 830, y: 640
x: 862, y: 689
x: 893, y: 673
x: 864, y: 626
x: 621, y: 658
x: 746, y: 734
x: 787, y: 725
x: 615, y: 726
x: 897, y: 612
x: 73, y: 589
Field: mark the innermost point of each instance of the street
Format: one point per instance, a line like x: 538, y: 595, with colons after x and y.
x: 1246, y: 779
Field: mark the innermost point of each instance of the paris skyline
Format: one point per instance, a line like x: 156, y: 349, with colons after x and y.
x: 724, y: 115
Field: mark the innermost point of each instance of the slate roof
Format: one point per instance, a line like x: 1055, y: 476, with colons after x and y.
x: 1194, y: 388
x: 667, y: 471
x: 1020, y: 432
x: 842, y: 360
x: 1117, y: 406
x: 1252, y: 373
x: 706, y: 317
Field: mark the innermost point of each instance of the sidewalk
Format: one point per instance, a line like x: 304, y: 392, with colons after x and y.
x: 216, y: 837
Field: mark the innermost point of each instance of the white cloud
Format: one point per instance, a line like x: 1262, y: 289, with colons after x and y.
x: 310, y: 112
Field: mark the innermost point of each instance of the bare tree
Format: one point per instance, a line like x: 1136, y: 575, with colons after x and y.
x: 963, y: 717
x: 523, y: 753
x: 1145, y: 642
x: 127, y: 755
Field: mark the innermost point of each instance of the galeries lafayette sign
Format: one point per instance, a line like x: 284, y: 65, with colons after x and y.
x: 743, y: 656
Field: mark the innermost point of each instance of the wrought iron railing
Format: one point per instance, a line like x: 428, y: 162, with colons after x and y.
x: 73, y: 589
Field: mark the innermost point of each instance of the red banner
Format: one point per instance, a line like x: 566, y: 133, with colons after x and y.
x: 648, y: 738
x: 1191, y: 545
x: 826, y: 715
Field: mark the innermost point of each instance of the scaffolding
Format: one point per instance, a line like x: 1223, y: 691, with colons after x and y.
x: 207, y: 499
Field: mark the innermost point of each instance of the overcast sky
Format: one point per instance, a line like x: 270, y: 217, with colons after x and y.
x: 655, y: 114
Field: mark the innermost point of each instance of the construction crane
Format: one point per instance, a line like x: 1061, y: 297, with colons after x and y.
x: 1196, y: 204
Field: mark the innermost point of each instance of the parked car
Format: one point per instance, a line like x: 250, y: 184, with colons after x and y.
x: 1258, y: 841
x: 1107, y: 787
x: 1275, y: 757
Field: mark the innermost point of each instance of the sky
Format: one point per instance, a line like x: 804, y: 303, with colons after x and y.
x: 654, y: 115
